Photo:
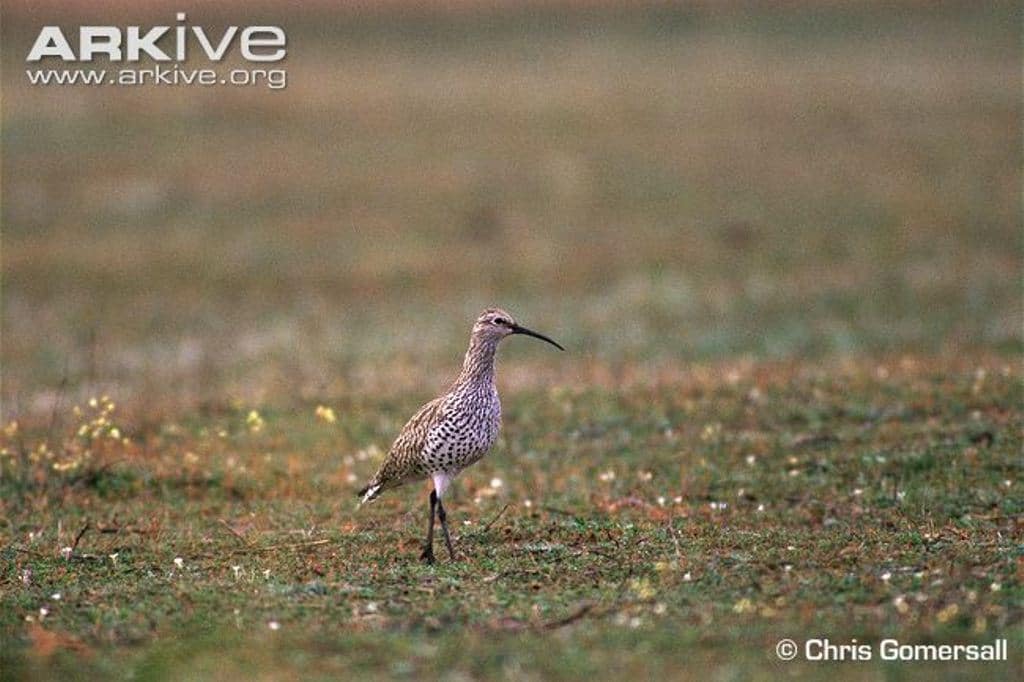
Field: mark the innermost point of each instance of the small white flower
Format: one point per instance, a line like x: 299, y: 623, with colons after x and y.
x: 273, y: 625
x: 787, y: 568
x: 857, y: 492
x: 497, y: 482
x: 266, y: 574
x: 55, y: 596
x: 179, y: 562
x: 371, y: 607
x: 608, y: 475
x: 527, y: 503
x: 661, y: 500
x: 43, y: 612
x: 113, y: 558
x: 760, y: 507
x: 65, y: 552
x: 995, y: 587
x: 751, y: 460
x: 237, y: 571
x: 886, y: 576
x: 687, y: 577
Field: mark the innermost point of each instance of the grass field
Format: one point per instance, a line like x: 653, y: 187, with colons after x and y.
x: 783, y: 249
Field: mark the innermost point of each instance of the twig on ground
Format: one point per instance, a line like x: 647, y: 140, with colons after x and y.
x: 606, y: 555
x: 490, y: 523
x: 271, y: 548
x: 125, y: 529
x: 562, y: 512
x: 44, y: 555
x: 675, y: 539
x: 234, y: 532
x: 32, y: 552
x: 74, y: 545
x: 582, y: 610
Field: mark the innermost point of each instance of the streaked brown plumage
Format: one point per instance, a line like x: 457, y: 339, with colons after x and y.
x: 453, y: 430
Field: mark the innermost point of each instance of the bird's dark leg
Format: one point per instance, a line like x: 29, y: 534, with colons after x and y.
x: 444, y: 529
x: 428, y: 548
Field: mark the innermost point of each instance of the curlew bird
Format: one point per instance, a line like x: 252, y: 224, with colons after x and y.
x: 453, y: 430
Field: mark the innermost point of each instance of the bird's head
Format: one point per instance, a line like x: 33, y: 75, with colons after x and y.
x: 495, y: 324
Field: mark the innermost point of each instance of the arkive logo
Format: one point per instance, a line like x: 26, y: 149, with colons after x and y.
x: 165, y: 48
x: 255, y: 43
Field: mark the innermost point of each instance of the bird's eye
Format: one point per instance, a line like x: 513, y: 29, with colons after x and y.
x: 500, y: 320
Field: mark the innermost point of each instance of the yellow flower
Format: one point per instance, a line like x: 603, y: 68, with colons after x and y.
x: 326, y: 414
x: 744, y: 606
x: 254, y: 421
x: 642, y: 588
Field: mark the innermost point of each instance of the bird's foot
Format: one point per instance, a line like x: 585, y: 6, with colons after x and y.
x: 427, y: 556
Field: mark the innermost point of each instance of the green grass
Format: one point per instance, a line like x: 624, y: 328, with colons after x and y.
x: 648, y: 531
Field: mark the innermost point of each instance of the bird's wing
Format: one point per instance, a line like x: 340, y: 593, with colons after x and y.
x: 404, y: 457
x: 413, y: 436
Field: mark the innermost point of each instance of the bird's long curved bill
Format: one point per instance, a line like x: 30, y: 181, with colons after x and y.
x: 516, y: 329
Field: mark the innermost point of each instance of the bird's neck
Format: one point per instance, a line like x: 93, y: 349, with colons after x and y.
x: 478, y: 365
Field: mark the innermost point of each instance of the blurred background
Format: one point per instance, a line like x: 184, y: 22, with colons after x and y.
x: 652, y: 184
